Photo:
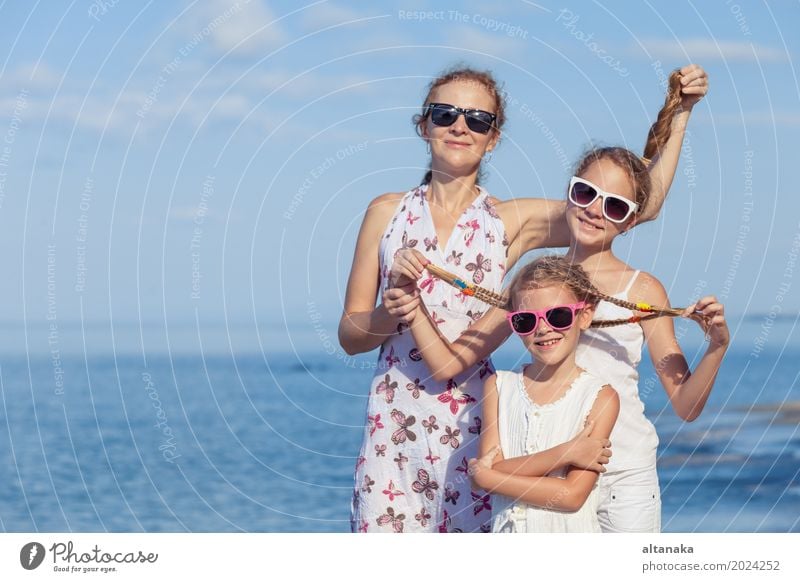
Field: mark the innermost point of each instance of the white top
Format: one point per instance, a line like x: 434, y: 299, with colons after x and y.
x: 614, y: 353
x: 526, y: 428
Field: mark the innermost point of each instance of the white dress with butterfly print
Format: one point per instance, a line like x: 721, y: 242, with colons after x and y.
x: 411, y: 475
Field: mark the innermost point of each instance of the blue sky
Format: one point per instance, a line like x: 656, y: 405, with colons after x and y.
x: 208, y: 163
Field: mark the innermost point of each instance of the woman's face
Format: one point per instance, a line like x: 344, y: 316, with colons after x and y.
x: 545, y: 344
x: 588, y: 227
x: 455, y: 149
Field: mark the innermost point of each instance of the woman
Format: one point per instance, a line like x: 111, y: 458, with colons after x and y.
x: 411, y: 473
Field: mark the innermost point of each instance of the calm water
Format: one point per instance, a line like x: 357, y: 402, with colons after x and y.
x: 202, y: 441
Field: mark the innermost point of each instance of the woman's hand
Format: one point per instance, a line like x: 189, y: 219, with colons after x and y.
x: 587, y: 452
x: 694, y: 81
x: 402, y: 302
x: 407, y: 267
x: 710, y: 314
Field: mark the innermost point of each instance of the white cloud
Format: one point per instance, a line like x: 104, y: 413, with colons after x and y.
x: 239, y: 27
x: 491, y: 43
x: 323, y: 15
x: 700, y: 50
x: 33, y: 76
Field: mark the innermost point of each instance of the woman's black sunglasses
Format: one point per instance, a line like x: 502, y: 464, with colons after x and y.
x: 445, y: 115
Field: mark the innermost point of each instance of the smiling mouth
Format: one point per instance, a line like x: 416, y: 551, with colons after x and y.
x: 548, y: 344
x: 589, y: 224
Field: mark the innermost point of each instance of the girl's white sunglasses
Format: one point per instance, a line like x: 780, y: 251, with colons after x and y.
x: 616, y: 208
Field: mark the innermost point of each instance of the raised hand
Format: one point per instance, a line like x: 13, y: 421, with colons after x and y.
x: 694, y: 85
x: 710, y: 314
x: 407, y: 267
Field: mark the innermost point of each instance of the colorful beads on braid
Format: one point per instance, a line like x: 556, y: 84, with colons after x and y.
x: 465, y: 287
x: 498, y: 300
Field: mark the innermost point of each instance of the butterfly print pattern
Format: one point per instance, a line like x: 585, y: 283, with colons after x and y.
x: 475, y: 427
x: 450, y: 437
x: 454, y: 397
x: 401, y: 460
x: 480, y: 502
x: 390, y: 518
x: 391, y: 491
x: 415, y: 387
x: 430, y: 424
x: 374, y: 423
x: 418, y: 432
x: 368, y: 483
x: 425, y: 485
x: 387, y: 388
x: 422, y: 517
x: 403, y: 433
x: 479, y: 268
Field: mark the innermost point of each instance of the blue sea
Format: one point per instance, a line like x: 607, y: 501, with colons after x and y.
x: 131, y: 428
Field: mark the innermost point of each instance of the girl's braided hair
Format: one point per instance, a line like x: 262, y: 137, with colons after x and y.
x: 637, y: 167
x: 553, y: 270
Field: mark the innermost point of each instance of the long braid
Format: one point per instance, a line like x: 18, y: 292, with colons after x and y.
x: 660, y: 131
x: 587, y: 291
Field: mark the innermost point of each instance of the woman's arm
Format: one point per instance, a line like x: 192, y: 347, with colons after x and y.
x: 364, y: 326
x: 688, y: 391
x: 567, y: 494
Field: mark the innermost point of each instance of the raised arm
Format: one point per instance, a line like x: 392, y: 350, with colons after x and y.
x: 688, y: 391
x: 568, y: 494
x: 689, y: 89
x: 538, y: 223
x: 363, y: 326
x: 444, y: 359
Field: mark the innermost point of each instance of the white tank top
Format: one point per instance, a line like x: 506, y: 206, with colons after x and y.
x: 613, y: 354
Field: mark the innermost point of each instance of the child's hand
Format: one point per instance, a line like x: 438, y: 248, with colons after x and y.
x: 402, y: 302
x: 694, y: 85
x: 710, y: 314
x: 587, y: 452
x: 476, y: 466
x: 407, y: 267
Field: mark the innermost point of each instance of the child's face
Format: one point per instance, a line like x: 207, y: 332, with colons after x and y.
x: 588, y: 226
x: 547, y: 345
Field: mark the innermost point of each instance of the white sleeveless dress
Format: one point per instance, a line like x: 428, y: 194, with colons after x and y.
x: 411, y: 474
x: 630, y: 500
x: 526, y: 428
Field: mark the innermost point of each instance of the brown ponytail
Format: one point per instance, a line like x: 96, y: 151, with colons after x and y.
x: 660, y: 131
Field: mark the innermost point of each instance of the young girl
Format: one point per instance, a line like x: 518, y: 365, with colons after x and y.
x: 544, y: 405
x: 609, y: 189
